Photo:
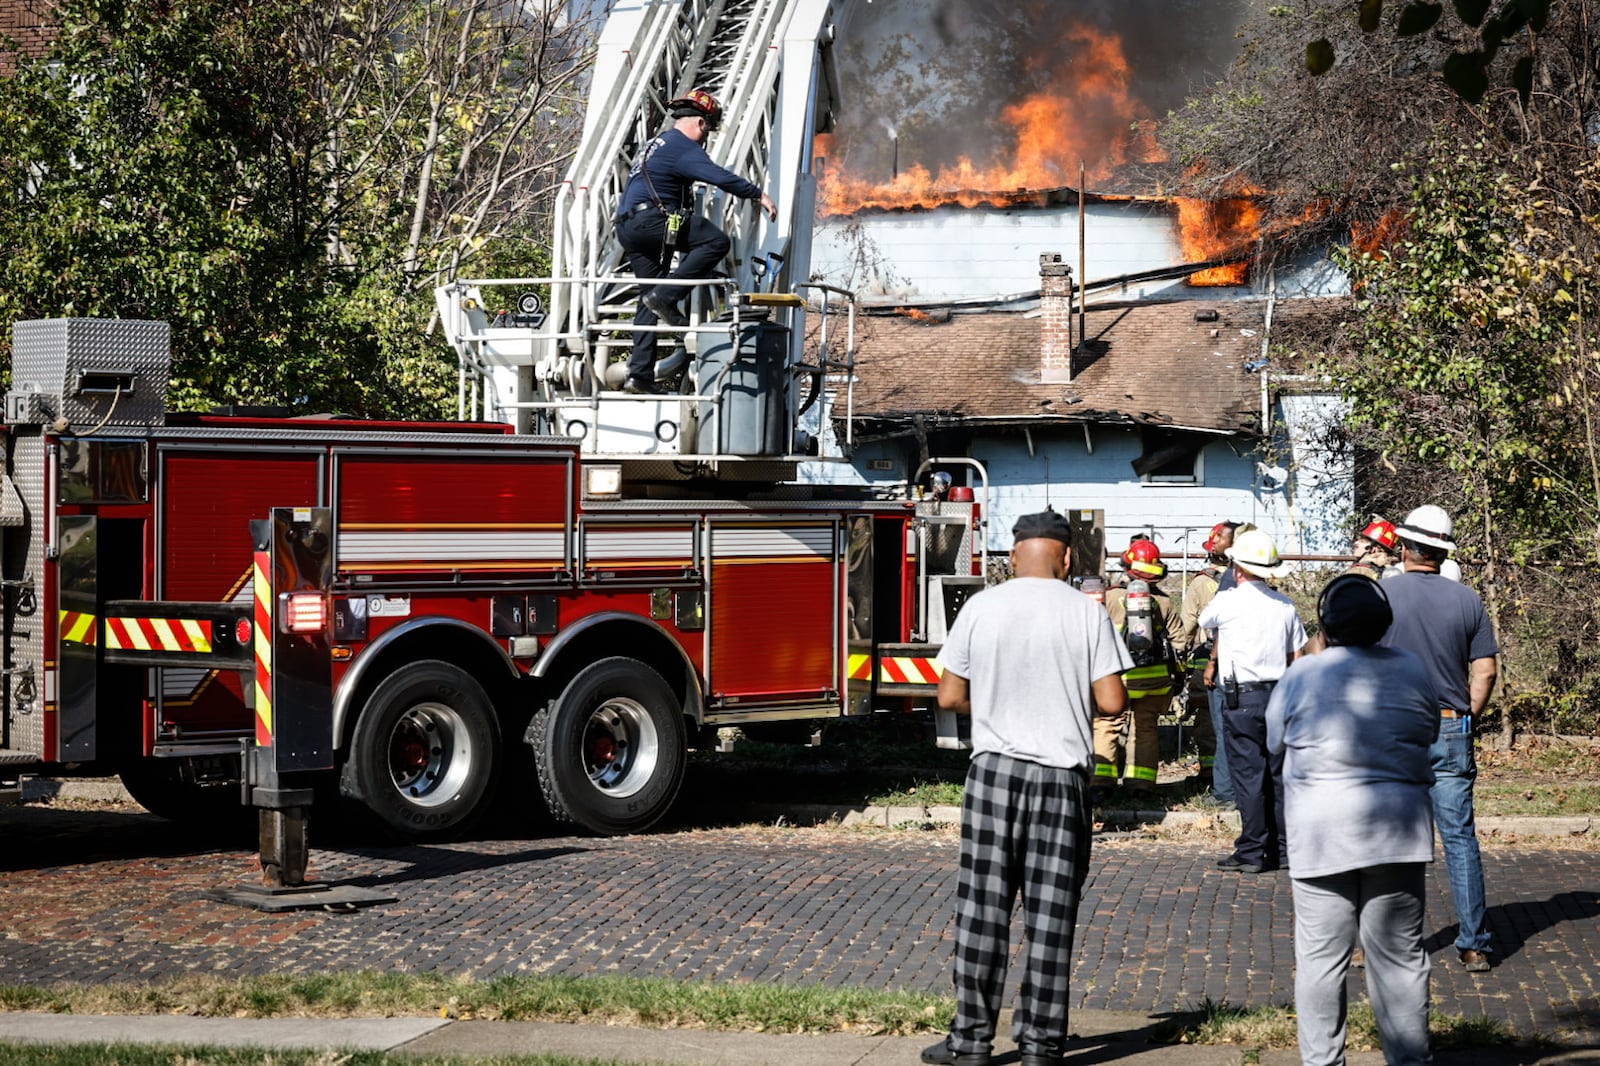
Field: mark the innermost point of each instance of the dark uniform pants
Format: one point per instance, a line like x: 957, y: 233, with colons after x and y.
x: 1257, y: 781
x: 1024, y: 828
x: 642, y: 236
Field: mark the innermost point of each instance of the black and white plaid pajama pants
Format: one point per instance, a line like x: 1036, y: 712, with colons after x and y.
x: 1024, y: 829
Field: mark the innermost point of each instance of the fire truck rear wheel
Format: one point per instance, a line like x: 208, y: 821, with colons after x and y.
x: 424, y: 751
x: 611, y: 748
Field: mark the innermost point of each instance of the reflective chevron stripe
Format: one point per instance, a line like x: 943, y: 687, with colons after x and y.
x: 77, y: 627
x: 158, y: 634
x: 909, y: 670
x: 263, y: 649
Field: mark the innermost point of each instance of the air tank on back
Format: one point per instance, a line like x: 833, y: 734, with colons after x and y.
x: 743, y: 388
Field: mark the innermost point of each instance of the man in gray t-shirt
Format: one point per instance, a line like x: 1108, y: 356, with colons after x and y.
x: 1030, y: 660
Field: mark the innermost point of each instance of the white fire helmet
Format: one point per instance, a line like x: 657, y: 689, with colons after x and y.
x: 1428, y: 525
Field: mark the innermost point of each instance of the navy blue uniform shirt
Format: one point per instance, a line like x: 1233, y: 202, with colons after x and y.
x: 675, y: 163
x: 1444, y: 624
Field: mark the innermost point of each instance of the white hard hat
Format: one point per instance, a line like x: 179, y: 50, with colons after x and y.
x: 1254, y: 551
x: 1428, y: 525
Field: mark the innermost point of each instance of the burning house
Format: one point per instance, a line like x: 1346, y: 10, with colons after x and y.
x: 1054, y: 313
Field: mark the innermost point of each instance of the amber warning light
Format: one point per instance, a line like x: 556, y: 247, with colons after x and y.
x: 303, y: 612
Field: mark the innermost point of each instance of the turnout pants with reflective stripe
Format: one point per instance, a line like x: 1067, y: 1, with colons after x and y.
x: 1130, y: 743
x: 1024, y: 830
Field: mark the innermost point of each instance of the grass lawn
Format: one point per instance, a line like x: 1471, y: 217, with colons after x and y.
x: 647, y: 1002
x: 857, y: 766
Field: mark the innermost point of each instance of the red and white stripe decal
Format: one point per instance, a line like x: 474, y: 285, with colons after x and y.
x: 158, y: 634
x: 908, y: 670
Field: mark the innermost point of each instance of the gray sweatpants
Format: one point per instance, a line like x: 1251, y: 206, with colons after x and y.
x: 1385, y: 905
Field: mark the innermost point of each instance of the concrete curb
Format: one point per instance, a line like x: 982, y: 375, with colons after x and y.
x: 1099, y: 1036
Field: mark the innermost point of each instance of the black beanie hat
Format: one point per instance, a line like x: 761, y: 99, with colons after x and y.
x: 1354, y: 611
x: 1045, y: 523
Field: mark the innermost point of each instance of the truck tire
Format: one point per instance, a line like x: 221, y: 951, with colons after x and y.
x: 611, y: 748
x: 424, y: 751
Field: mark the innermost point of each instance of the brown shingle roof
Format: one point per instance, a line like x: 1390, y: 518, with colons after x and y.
x: 1148, y: 363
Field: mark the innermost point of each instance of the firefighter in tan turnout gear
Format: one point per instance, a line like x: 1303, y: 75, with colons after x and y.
x: 1377, y: 549
x: 1128, y: 745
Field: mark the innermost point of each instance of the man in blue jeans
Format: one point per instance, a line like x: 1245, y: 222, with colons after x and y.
x: 1443, y: 622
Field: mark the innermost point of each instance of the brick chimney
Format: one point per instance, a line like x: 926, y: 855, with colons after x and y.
x: 1055, y: 314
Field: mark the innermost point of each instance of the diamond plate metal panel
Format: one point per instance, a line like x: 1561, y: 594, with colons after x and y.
x: 950, y: 545
x: 24, y: 629
x: 11, y: 511
x: 100, y: 371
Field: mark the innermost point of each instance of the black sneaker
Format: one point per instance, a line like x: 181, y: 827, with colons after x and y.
x: 1230, y: 862
x: 941, y: 1055
x: 665, y: 310
x: 642, y: 387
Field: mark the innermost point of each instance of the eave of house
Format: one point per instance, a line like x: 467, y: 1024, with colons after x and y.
x: 891, y: 425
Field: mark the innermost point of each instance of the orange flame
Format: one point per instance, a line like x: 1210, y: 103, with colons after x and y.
x: 1212, y: 229
x: 1086, y: 114
x: 1376, y: 238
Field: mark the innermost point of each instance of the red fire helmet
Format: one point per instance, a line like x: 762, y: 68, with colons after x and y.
x: 1382, y: 533
x: 697, y: 102
x: 1143, y: 557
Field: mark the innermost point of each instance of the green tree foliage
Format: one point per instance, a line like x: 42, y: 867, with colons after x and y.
x: 1467, y: 352
x: 283, y: 182
x: 1472, y: 237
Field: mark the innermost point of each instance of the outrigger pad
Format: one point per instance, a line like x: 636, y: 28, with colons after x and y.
x: 298, y: 897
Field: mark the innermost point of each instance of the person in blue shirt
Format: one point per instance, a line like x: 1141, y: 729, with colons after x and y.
x: 661, y: 185
x: 1444, y: 624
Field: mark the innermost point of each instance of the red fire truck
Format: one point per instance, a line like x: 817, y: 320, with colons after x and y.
x: 574, y: 587
x: 416, y: 613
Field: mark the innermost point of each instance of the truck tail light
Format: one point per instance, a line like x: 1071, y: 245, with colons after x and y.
x: 304, y: 612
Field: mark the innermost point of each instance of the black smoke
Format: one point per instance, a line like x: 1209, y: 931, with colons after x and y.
x: 936, y: 75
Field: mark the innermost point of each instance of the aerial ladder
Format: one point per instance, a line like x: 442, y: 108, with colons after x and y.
x: 758, y: 389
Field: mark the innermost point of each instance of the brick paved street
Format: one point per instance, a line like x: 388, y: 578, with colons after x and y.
x: 104, y: 896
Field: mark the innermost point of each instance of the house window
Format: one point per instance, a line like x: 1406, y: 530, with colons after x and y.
x: 1171, y: 457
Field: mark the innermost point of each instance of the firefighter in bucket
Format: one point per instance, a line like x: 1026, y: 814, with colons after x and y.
x: 1128, y: 745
